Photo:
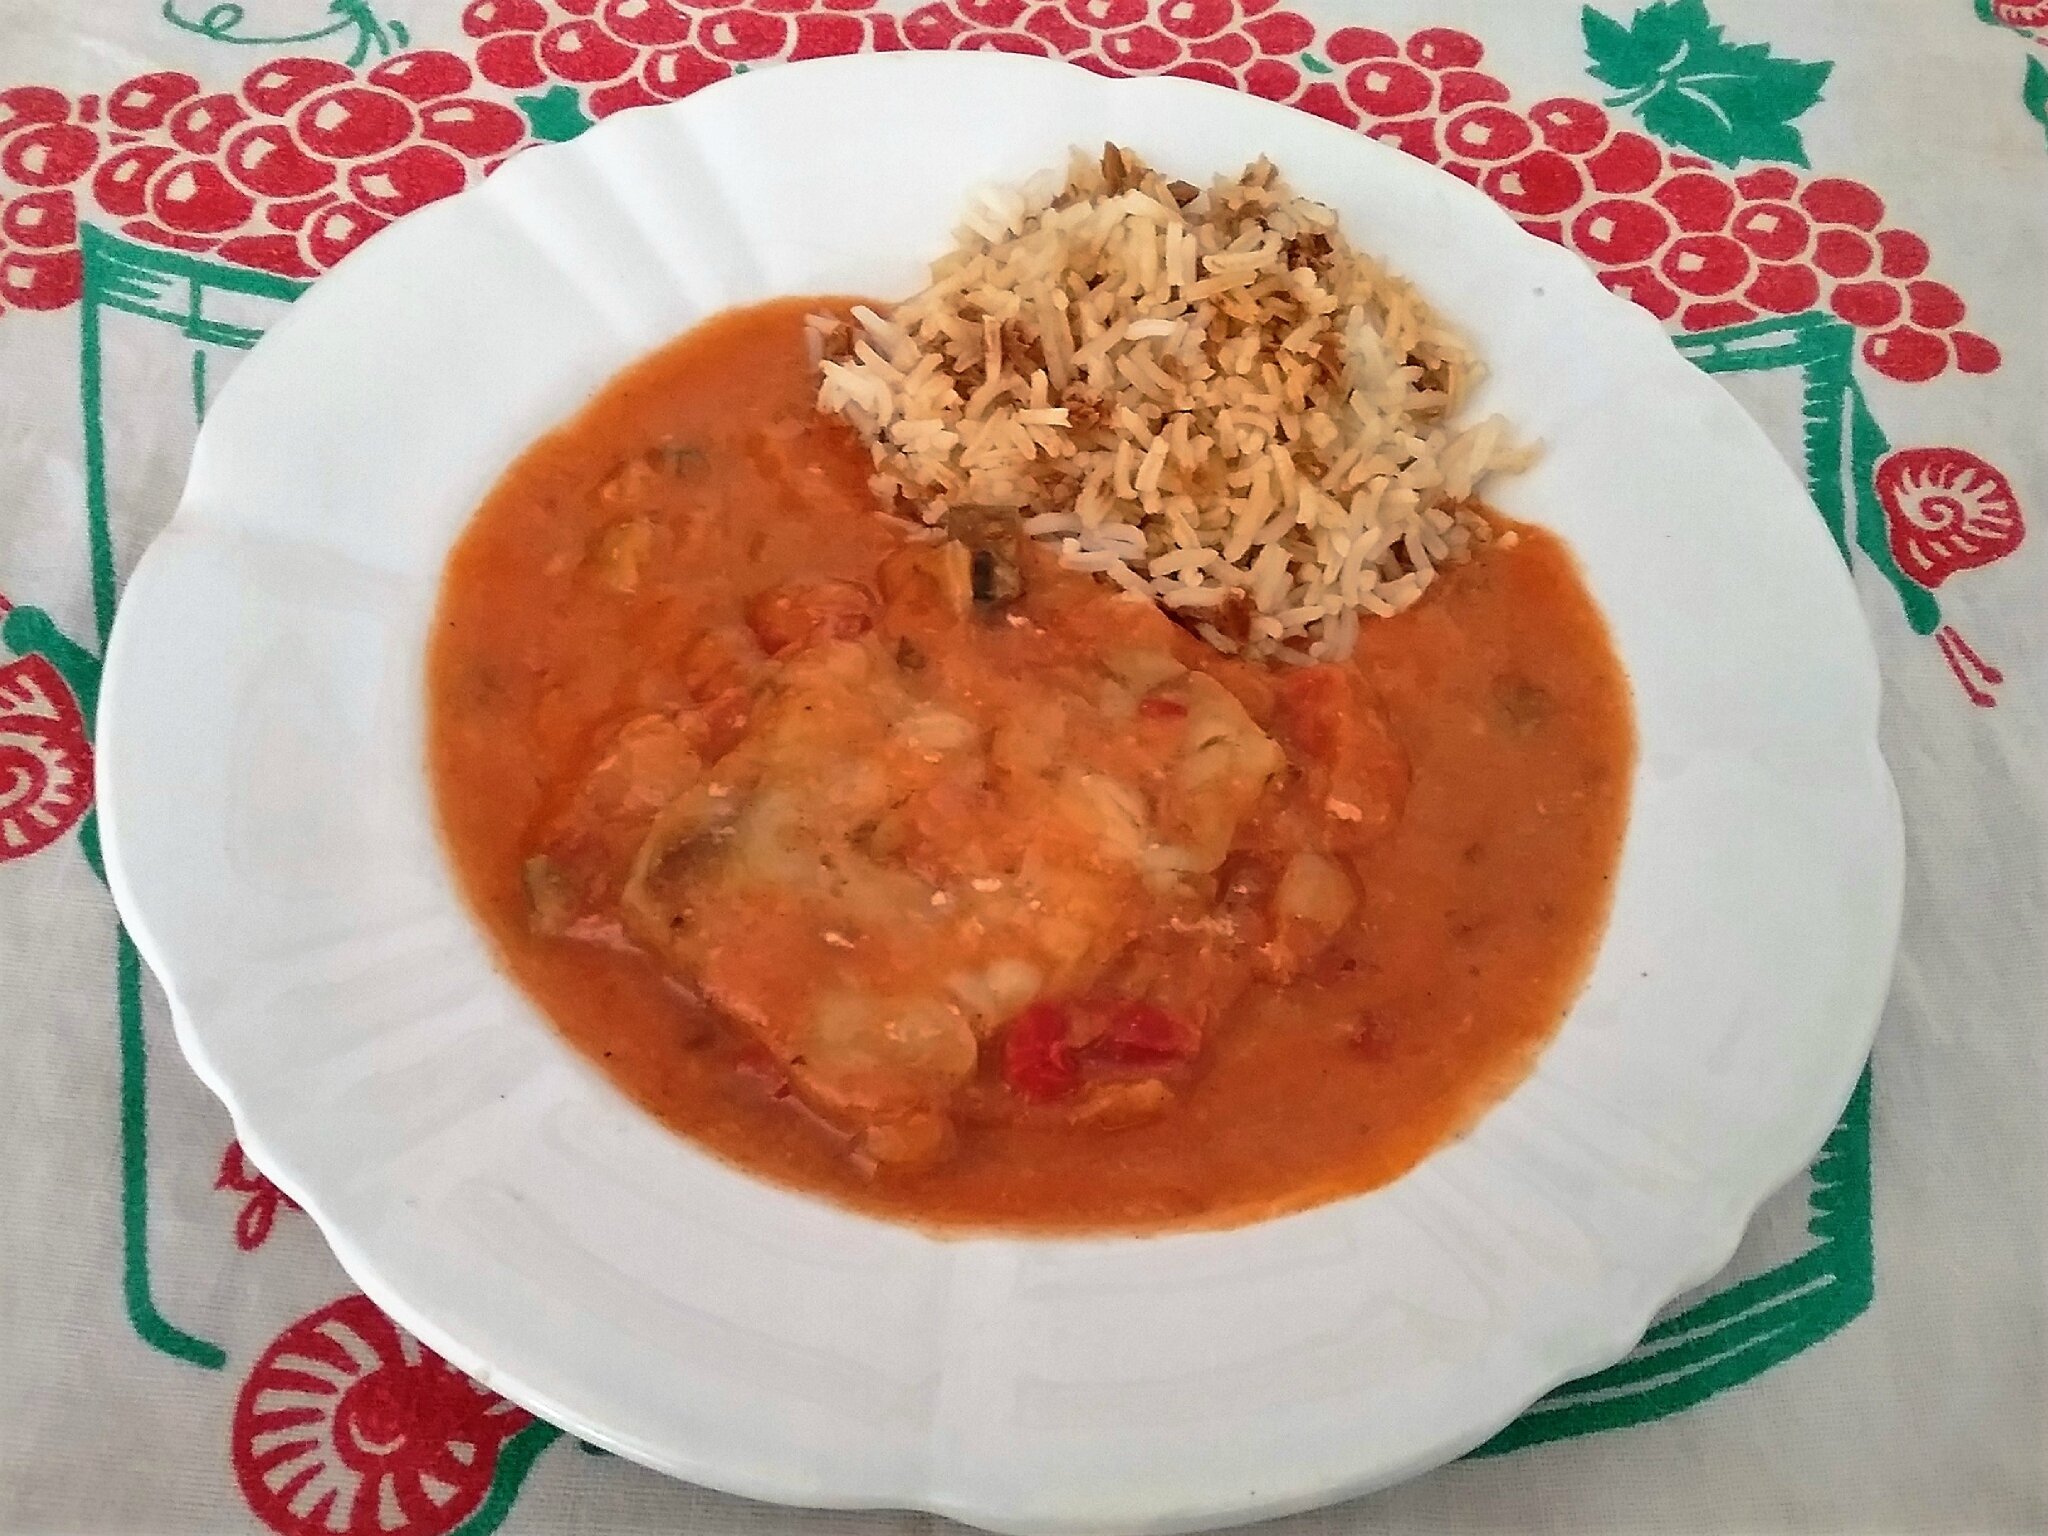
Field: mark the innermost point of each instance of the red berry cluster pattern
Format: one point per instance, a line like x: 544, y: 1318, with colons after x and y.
x: 287, y: 174
x: 635, y: 53
x: 309, y: 158
x: 1690, y: 243
x: 1248, y: 45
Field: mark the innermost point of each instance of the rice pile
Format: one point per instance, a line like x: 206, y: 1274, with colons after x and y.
x: 1211, y: 398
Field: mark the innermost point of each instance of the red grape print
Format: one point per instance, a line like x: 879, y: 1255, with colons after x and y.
x: 347, y: 1426
x: 121, y: 185
x: 25, y: 105
x: 646, y: 23
x: 45, y: 762
x: 1540, y: 183
x: 1461, y: 87
x: 1715, y: 314
x: 1843, y: 253
x: 583, y: 53
x: 310, y: 157
x: 512, y: 61
x: 490, y: 18
x: 411, y: 178
x: 1870, y: 304
x: 149, y: 232
x: 1570, y: 126
x: 335, y: 230
x: 1389, y: 88
x: 1347, y: 45
x: 40, y: 279
x: 1768, y: 183
x: 1707, y: 265
x: 744, y: 37
x: 1280, y: 32
x: 1641, y: 285
x: 198, y: 126
x: 1243, y: 43
x: 826, y: 34
x: 474, y: 129
x: 49, y: 154
x: 142, y: 104
x: 1411, y: 135
x: 1772, y: 231
x: 292, y: 216
x: 1698, y: 203
x: 1936, y: 306
x: 1783, y: 288
x: 352, y: 122
x: 1138, y: 50
x: 1628, y: 163
x: 266, y: 253
x: 267, y: 160
x: 673, y: 73
x: 1946, y: 510
x: 40, y: 221
x: 1906, y: 354
x: 1618, y: 231
x: 1442, y: 48
x: 276, y: 88
x: 1901, y: 253
x: 1975, y: 354
x: 1832, y: 200
x: 1324, y: 100
x: 193, y: 197
x: 1193, y: 20
x: 1487, y: 133
x: 427, y: 75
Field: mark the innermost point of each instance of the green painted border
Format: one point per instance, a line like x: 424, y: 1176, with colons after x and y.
x: 137, y: 279
x: 1741, y: 1332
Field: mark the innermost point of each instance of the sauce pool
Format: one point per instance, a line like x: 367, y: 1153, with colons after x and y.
x: 1478, y: 912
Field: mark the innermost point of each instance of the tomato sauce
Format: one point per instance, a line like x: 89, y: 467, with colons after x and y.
x: 700, y: 482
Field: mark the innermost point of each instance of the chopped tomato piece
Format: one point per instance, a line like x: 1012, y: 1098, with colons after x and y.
x: 1144, y: 1034
x: 1038, y: 1057
x: 801, y: 612
x: 1155, y: 706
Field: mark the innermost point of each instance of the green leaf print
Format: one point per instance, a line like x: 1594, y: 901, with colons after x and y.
x: 2034, y: 92
x: 1693, y: 88
x: 555, y: 116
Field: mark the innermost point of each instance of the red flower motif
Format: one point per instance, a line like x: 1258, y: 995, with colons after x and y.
x: 45, y: 763
x: 348, y: 1427
x: 1947, y: 510
x: 265, y: 1199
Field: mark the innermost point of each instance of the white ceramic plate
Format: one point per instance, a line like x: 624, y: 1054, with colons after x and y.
x: 272, y: 846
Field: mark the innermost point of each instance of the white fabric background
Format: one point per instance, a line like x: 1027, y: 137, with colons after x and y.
x: 1925, y: 1414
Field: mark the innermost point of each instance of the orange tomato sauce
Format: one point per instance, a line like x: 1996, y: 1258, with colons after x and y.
x: 1477, y: 913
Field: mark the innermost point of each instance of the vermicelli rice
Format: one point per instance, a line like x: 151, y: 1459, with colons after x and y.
x: 1210, y: 398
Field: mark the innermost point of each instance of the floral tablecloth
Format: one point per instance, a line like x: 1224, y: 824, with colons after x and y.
x: 1840, y: 207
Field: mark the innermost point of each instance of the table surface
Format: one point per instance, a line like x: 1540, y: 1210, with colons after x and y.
x: 1840, y: 208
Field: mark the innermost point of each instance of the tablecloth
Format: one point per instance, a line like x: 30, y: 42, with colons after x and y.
x: 1839, y: 207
